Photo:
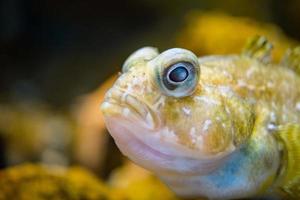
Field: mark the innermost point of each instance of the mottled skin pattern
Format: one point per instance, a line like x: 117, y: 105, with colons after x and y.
x: 216, y: 137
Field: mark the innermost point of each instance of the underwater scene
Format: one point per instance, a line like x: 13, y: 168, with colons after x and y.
x: 150, y: 100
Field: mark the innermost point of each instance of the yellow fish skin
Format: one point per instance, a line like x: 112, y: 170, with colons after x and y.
x: 211, y: 126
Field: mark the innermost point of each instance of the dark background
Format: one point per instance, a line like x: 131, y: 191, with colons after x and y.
x: 56, y: 50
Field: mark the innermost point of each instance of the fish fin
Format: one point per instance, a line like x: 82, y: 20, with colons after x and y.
x: 258, y: 47
x: 289, y: 135
x: 291, y: 59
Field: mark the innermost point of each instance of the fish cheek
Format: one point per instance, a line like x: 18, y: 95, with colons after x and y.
x: 217, y: 140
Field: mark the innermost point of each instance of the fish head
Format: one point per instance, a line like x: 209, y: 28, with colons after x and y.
x: 165, y: 116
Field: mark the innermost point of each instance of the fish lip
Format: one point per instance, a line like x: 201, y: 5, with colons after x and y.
x: 138, y: 110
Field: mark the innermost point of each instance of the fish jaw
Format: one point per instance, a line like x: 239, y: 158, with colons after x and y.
x: 145, y: 146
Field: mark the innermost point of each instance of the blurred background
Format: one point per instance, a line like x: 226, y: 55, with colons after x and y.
x: 58, y: 58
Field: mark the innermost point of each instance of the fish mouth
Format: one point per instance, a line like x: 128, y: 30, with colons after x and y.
x: 123, y: 115
x: 119, y: 102
x: 135, y: 129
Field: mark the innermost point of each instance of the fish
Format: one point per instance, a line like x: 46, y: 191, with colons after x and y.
x: 196, y: 35
x: 217, y: 126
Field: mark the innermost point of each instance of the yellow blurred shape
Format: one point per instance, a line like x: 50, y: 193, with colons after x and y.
x: 132, y: 182
x: 34, y: 182
x: 218, y: 33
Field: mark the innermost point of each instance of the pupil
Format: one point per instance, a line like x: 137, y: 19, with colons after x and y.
x: 178, y: 74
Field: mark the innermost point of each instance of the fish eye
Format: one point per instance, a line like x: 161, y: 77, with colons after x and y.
x: 176, y: 72
x: 180, y: 79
